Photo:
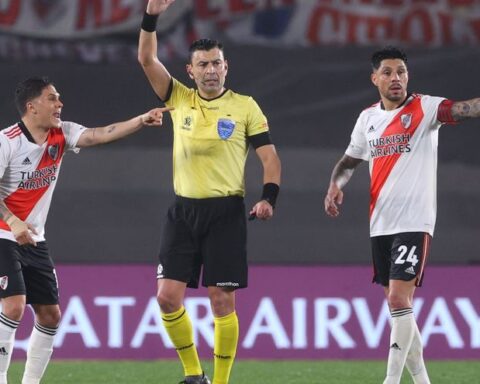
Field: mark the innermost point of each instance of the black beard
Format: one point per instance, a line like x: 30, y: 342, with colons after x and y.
x: 395, y: 98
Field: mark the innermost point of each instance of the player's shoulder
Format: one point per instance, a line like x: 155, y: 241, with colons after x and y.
x: 11, y: 132
x: 428, y: 101
x: 10, y: 138
x: 67, y: 125
x: 427, y: 98
x: 69, y: 128
x: 370, y: 110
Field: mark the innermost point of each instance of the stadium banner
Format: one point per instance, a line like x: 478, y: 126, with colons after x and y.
x: 281, y: 22
x: 287, y: 312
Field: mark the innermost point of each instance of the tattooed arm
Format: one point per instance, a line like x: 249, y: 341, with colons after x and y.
x: 467, y: 109
x: 20, y: 229
x: 112, y: 132
x: 341, y: 174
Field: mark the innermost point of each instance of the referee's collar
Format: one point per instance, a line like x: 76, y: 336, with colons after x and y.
x: 215, y: 98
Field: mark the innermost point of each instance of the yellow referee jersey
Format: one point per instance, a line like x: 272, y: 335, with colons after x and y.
x: 210, y: 141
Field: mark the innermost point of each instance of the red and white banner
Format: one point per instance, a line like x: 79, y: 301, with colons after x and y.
x: 75, y: 19
x: 281, y: 22
x: 110, y: 311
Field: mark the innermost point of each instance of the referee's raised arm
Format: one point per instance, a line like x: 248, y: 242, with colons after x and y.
x: 157, y: 74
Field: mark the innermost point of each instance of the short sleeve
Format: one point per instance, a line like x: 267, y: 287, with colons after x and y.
x: 5, y: 154
x: 430, y: 105
x: 177, y: 93
x: 72, y: 132
x: 256, y: 120
x: 358, y: 147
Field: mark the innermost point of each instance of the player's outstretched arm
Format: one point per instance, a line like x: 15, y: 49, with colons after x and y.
x: 341, y: 174
x: 112, y: 132
x: 157, y: 74
x: 272, y: 170
x: 467, y: 109
x: 20, y: 229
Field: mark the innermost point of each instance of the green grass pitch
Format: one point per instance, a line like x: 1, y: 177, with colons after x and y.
x: 245, y: 372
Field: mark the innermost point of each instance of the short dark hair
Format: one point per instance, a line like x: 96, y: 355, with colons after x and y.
x: 28, y: 90
x: 389, y: 52
x: 204, y: 45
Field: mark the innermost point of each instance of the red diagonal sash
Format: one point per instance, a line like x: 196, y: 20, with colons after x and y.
x: 382, y: 166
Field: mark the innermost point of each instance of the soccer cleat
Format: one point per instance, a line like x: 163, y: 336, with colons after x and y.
x: 203, y: 379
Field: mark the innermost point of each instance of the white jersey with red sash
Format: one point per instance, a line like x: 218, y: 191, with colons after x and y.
x: 401, y: 148
x: 29, y: 172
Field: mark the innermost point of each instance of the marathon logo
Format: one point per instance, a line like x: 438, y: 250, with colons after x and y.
x: 227, y: 284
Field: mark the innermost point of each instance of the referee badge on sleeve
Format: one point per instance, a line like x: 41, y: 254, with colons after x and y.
x: 225, y: 128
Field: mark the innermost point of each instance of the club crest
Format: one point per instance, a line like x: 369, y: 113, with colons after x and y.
x: 225, y: 128
x: 4, y: 282
x: 160, y: 271
x: 53, y: 151
x: 406, y: 120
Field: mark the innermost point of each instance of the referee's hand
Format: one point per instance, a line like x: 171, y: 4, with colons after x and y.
x: 263, y: 210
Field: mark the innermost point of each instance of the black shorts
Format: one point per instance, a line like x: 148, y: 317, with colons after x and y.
x: 401, y: 256
x: 210, y: 232
x: 27, y: 270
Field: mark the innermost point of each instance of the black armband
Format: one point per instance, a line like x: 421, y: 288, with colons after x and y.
x: 260, y: 139
x: 149, y: 22
x: 270, y: 193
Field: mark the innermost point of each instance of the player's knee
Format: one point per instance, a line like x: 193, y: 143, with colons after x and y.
x: 50, y: 318
x: 55, y: 318
x: 397, y: 301
x: 14, y: 311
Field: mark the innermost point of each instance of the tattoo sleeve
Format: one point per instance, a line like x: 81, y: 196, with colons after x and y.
x: 343, y: 170
x: 462, y: 110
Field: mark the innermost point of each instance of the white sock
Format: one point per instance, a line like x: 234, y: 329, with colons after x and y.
x: 40, y: 348
x: 415, y: 363
x: 8, y: 328
x: 401, y: 336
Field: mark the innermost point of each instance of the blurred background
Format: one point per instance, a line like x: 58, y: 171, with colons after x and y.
x: 307, y: 65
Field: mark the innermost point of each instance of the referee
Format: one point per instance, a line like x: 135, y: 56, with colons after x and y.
x: 206, y: 225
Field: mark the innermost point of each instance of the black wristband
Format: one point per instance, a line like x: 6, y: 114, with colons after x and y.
x: 270, y: 193
x: 149, y: 22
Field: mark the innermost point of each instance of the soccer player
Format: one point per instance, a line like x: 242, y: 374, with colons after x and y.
x: 206, y: 225
x: 31, y: 154
x: 398, y: 136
